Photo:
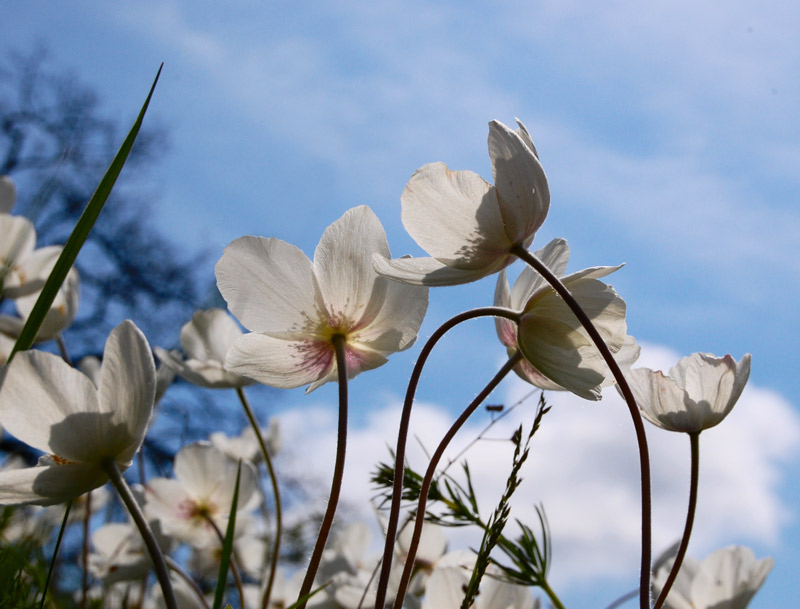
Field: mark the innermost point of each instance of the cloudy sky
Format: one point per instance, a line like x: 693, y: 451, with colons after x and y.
x: 670, y: 137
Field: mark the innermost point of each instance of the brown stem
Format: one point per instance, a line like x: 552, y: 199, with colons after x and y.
x: 437, y: 455
x: 641, y: 438
x: 402, y: 435
x: 694, y: 441
x: 339, y: 345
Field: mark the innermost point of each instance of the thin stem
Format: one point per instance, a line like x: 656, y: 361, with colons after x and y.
x: 87, y: 516
x: 694, y: 442
x: 402, y: 436
x: 624, y: 599
x: 62, y: 348
x: 237, y: 577
x: 641, y: 438
x: 177, y: 569
x: 275, y: 490
x: 55, y: 554
x: 437, y: 455
x: 159, y: 564
x: 339, y: 346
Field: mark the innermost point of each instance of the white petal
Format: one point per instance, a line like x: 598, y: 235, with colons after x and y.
x: 426, y: 271
x: 31, y: 271
x: 395, y: 326
x: 201, y: 468
x: 454, y: 216
x: 343, y: 265
x: 51, y: 406
x: 17, y: 240
x: 209, y: 335
x: 522, y: 190
x: 49, y: 484
x: 269, y: 285
x: 280, y: 363
x: 127, y: 389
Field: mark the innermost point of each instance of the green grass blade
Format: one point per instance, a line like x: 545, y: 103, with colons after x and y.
x: 79, y: 234
x: 227, y: 545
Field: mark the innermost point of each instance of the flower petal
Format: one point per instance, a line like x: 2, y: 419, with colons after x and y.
x: 343, y: 265
x: 209, y: 335
x: 49, y: 484
x: 523, y: 194
x: 269, y: 285
x: 397, y: 323
x: 17, y: 240
x: 278, y: 362
x: 127, y: 390
x: 39, y: 391
x: 427, y: 271
x: 454, y: 216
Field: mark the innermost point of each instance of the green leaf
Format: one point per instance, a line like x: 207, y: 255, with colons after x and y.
x: 79, y: 234
x: 227, y: 544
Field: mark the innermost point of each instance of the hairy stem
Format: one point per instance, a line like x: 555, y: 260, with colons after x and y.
x: 437, y: 455
x: 402, y: 436
x: 338, y: 471
x: 644, y: 455
x: 694, y: 441
x: 159, y: 564
x: 275, y: 491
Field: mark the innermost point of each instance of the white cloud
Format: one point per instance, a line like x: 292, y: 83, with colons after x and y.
x: 583, y: 467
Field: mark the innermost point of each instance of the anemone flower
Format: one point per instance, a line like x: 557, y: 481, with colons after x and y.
x: 726, y: 579
x: 468, y: 226
x: 80, y: 428
x: 697, y: 394
x: 205, y: 340
x: 295, y: 308
x: 529, y: 284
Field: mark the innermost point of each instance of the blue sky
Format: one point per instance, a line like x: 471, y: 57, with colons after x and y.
x: 669, y: 134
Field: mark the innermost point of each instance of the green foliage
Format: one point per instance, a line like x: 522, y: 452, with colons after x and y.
x: 23, y: 569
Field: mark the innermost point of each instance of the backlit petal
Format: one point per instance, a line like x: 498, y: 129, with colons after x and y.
x: 49, y: 484
x: 427, y: 271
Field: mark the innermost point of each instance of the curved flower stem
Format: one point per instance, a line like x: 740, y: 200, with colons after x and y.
x: 237, y: 577
x: 641, y: 438
x: 275, y: 491
x: 159, y: 564
x: 339, y: 345
x: 177, y: 569
x: 437, y: 455
x: 402, y: 435
x: 694, y: 441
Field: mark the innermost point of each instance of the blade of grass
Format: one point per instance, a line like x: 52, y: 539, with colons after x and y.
x: 227, y: 545
x: 79, y: 234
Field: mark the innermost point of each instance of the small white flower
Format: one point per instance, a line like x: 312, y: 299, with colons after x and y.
x: 58, y: 410
x: 467, y: 225
x: 699, y: 392
x: 205, y: 341
x: 726, y: 579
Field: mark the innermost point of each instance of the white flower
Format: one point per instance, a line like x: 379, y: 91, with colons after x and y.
x: 446, y: 586
x: 202, y: 491
x: 32, y: 274
x: 532, y: 293
x: 295, y: 307
x: 467, y: 225
x: 58, y: 410
x: 726, y: 579
x: 205, y: 340
x: 246, y: 446
x: 699, y: 392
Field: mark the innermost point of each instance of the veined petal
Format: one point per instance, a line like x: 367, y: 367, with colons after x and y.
x: 126, y: 390
x: 201, y: 468
x: 343, y: 266
x: 18, y: 240
x: 428, y: 271
x: 49, y: 484
x: 523, y: 194
x: 396, y: 325
x: 454, y: 216
x: 282, y: 363
x: 269, y: 285
x: 40, y: 391
x: 209, y: 335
